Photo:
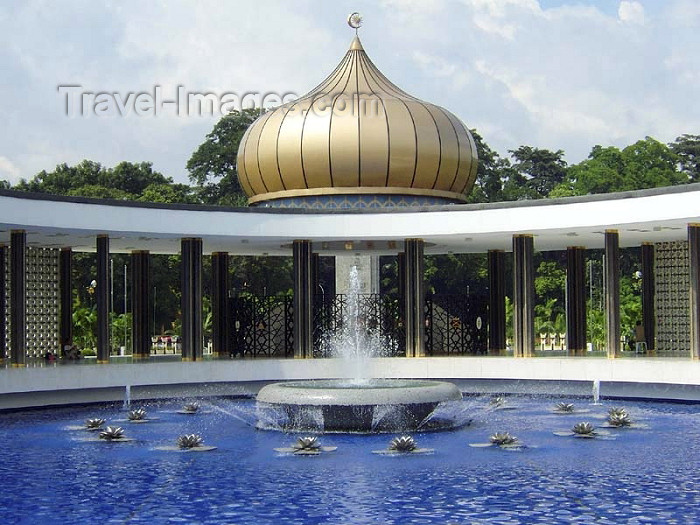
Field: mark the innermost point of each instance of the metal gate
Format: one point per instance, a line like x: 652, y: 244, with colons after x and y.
x: 456, y: 324
x: 261, y: 326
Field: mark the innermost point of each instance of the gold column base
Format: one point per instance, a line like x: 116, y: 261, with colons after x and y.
x: 220, y: 355
x: 188, y: 359
x: 18, y: 365
x: 103, y: 361
x: 140, y: 357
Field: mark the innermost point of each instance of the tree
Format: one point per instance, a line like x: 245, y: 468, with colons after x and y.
x: 645, y: 164
x: 168, y: 193
x: 63, y: 179
x: 541, y: 170
x: 649, y: 163
x: 488, y: 186
x: 126, y: 181
x: 687, y: 149
x: 4, y: 185
x: 131, y: 177
x: 602, y: 172
x: 212, y: 166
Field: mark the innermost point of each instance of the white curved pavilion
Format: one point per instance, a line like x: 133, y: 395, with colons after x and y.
x: 652, y: 217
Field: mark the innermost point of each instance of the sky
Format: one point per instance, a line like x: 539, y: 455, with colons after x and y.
x: 555, y: 74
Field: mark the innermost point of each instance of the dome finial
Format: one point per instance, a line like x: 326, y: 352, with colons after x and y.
x: 355, y: 21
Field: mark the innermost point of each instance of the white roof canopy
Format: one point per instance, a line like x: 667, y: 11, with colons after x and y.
x: 655, y: 215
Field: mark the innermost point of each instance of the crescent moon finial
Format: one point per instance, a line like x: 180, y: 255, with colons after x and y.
x: 355, y: 21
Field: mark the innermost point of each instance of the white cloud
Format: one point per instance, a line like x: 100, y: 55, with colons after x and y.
x: 631, y: 11
x: 8, y: 171
x: 581, y: 73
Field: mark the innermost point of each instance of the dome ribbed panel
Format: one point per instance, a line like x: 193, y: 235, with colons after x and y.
x: 403, y: 147
x: 240, y: 164
x: 449, y: 149
x: 344, y: 144
x: 428, y: 144
x: 465, y: 153
x: 315, y: 146
x: 473, y: 165
x: 252, y: 167
x: 268, y: 142
x: 289, y: 141
x: 374, y: 143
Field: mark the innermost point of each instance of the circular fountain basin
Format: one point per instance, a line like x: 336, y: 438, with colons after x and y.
x: 376, y: 405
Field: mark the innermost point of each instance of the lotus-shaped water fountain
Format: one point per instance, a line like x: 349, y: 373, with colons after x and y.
x: 583, y: 430
x: 403, y: 445
x: 504, y: 440
x: 497, y: 401
x: 564, y: 408
x: 500, y: 403
x: 137, y: 415
x: 113, y: 434
x: 306, y: 446
x: 619, y: 420
x: 190, y: 441
x: 190, y: 408
x: 94, y: 423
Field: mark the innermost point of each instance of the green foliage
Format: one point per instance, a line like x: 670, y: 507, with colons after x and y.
x: 168, y: 193
x: 539, y: 169
x: 456, y: 273
x: 120, y: 330
x: 645, y: 164
x: 550, y: 314
x: 262, y: 275
x: 126, y: 181
x: 687, y: 150
x: 488, y: 186
x: 212, y: 166
x: 595, y: 326
x: 84, y: 325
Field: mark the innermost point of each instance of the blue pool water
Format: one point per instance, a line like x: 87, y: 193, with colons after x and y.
x: 50, y: 474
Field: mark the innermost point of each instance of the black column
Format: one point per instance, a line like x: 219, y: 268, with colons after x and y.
x: 414, y: 303
x: 576, y: 300
x: 694, y: 268
x: 3, y: 301
x: 220, y: 304
x: 303, y: 299
x: 66, y: 297
x: 612, y: 292
x: 497, y: 302
x: 140, y: 308
x: 102, y: 293
x: 523, y: 296
x: 648, y: 292
x: 192, y: 349
x: 18, y: 298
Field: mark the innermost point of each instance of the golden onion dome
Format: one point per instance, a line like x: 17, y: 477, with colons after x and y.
x: 357, y: 134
